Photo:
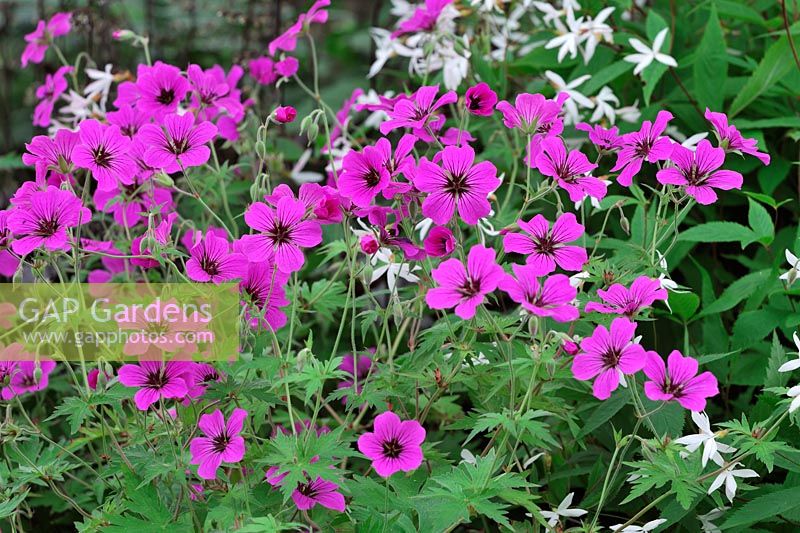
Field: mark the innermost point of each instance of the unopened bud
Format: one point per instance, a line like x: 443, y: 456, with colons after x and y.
x: 792, y: 277
x: 37, y: 373
x: 313, y: 132
x: 123, y: 35
x: 261, y: 149
x: 163, y: 179
x: 533, y: 325
x: 625, y: 225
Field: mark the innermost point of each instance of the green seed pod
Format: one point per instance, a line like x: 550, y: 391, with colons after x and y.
x: 261, y: 150
x: 163, y: 179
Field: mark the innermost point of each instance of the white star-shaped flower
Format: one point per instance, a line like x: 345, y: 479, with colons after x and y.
x: 563, y: 510
x: 569, y: 36
x: 595, y: 31
x: 794, y: 364
x: 706, y: 437
x: 794, y: 393
x: 101, y: 85
x: 649, y: 526
x: 706, y: 520
x: 603, y: 107
x: 728, y: 477
x: 575, y: 97
x: 647, y: 55
x: 392, y: 269
x: 790, y: 276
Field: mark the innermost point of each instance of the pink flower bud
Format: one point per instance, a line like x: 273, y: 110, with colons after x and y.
x: 285, y: 114
x: 369, y: 245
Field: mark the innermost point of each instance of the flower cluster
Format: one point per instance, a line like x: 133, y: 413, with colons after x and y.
x: 456, y: 219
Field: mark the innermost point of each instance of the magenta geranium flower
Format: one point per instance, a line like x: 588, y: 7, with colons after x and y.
x: 198, y: 377
x: 415, y: 112
x: 287, y: 41
x: 52, y: 157
x: 282, y: 232
x: 605, y: 140
x: 480, y: 99
x: 620, y: 300
x: 8, y: 261
x: 39, y: 39
x: 161, y: 88
x: 130, y: 204
x: 456, y: 137
x: 678, y: 381
x: 287, y: 67
x: 155, y: 380
x: 423, y: 19
x: 570, y: 170
x: 104, y: 152
x: 399, y: 162
x: 43, y: 221
x: 357, y: 370
x: 546, y: 247
x: 214, y: 93
x: 129, y: 119
x: 609, y: 355
x: 531, y: 113
x: 364, y: 175
x: 222, y: 442
x: 698, y: 172
x: 319, y: 491
x: 456, y: 184
x: 263, y: 295
x: 465, y: 288
x: 262, y: 69
x: 551, y: 298
x: 54, y: 86
x: 440, y: 242
x: 160, y: 233
x: 183, y: 145
x: 93, y: 377
x: 731, y: 140
x: 645, y: 144
x: 24, y: 377
x: 393, y: 445
x: 213, y: 261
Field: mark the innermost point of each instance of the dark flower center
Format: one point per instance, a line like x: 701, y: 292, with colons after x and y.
x: 611, y: 358
x: 281, y: 233
x: 178, y: 146
x: 694, y: 176
x: 643, y: 147
x: 392, y: 448
x: 470, y: 288
x: 220, y: 442
x: 676, y: 389
x: 456, y: 184
x: 166, y: 96
x: 102, y: 157
x: 157, y: 379
x: 307, y: 490
x: 210, y: 377
x: 129, y: 130
x: 47, y: 227
x: 209, y: 265
x: 474, y: 102
x: 372, y: 178
x: 28, y: 381
x: 545, y: 245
